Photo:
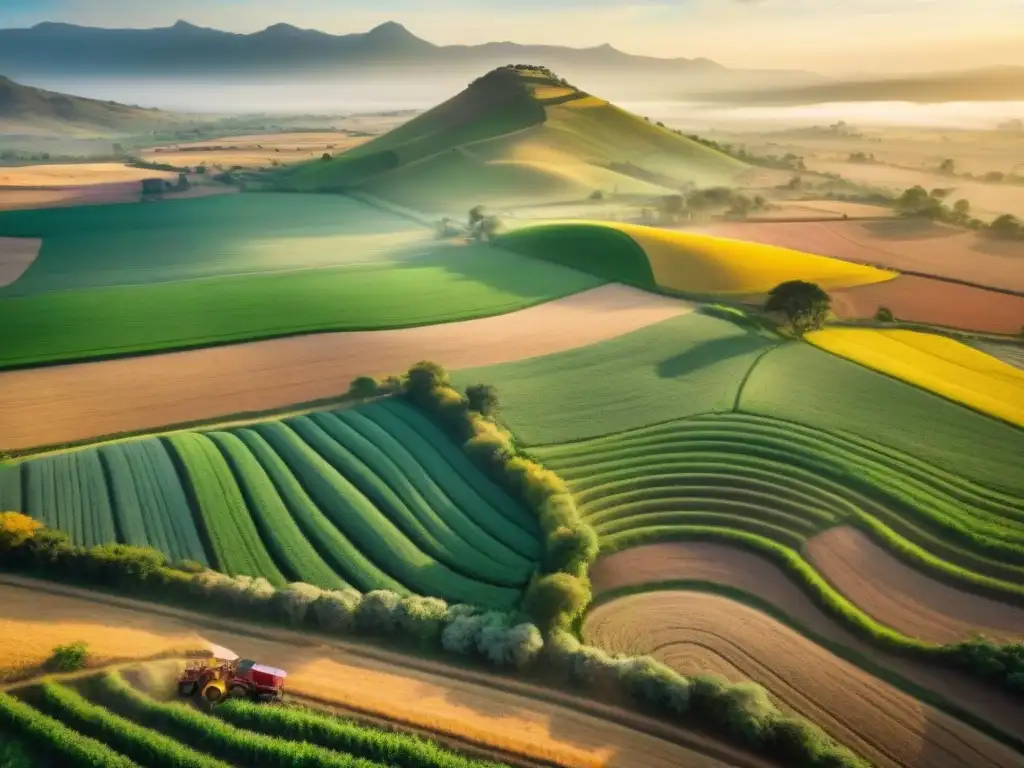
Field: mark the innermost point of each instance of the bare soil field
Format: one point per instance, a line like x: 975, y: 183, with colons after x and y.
x: 934, y: 302
x: 255, y: 151
x: 901, y: 244
x: 732, y: 567
x: 16, y: 254
x: 76, y: 175
x: 466, y: 704
x: 903, y: 598
x: 61, y: 404
x: 694, y: 633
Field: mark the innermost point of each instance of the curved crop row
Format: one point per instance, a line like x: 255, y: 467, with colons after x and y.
x: 794, y: 477
x: 237, y: 546
x: 149, y: 502
x: 69, y: 492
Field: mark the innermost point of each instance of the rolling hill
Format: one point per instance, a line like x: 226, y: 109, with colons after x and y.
x: 517, y: 136
x: 28, y: 110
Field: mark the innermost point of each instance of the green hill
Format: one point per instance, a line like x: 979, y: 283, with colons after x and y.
x: 517, y: 136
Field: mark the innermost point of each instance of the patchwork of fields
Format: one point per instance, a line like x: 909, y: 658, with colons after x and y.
x: 374, y: 497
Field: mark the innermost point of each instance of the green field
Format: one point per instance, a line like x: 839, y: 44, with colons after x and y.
x: 444, y: 284
x: 106, y: 722
x: 783, y: 481
x: 680, y: 367
x: 374, y: 497
x: 136, y: 244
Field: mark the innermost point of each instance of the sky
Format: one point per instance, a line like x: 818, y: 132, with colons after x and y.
x: 833, y: 36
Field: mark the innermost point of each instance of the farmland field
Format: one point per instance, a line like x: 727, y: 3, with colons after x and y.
x: 374, y: 497
x: 16, y: 255
x: 56, y: 405
x: 700, y: 633
x: 935, y: 363
x: 682, y: 261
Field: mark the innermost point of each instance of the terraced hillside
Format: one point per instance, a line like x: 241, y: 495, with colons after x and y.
x: 201, y: 272
x: 516, y: 137
x: 374, y: 497
x: 654, y: 258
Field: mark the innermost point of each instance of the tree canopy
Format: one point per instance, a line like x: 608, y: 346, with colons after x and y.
x: 805, y: 305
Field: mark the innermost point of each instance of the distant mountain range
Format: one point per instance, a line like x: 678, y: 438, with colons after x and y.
x: 52, y: 49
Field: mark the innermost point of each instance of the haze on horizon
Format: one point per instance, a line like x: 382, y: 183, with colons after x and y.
x: 857, y: 36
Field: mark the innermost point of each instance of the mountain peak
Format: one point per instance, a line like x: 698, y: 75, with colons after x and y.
x: 391, y: 30
x: 181, y: 24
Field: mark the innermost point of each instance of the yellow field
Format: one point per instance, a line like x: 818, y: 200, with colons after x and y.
x: 255, y: 151
x: 936, y: 363
x: 544, y: 92
x: 685, y: 261
x: 75, y: 174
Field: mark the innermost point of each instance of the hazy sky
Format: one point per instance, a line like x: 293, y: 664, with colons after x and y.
x: 824, y: 35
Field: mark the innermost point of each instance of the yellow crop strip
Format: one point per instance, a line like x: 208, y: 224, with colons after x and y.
x: 685, y: 261
x: 937, y: 363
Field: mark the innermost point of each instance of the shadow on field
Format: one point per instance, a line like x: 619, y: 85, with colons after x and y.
x: 708, y: 353
x: 908, y: 229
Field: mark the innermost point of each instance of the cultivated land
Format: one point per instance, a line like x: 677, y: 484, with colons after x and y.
x: 472, y: 706
x: 256, y: 151
x: 517, y: 138
x: 16, y: 255
x: 374, y: 497
x: 904, y: 598
x: 934, y: 302
x: 683, y: 262
x: 903, y: 244
x: 68, y: 403
x: 230, y: 278
x: 935, y: 363
x: 76, y: 175
x: 695, y: 633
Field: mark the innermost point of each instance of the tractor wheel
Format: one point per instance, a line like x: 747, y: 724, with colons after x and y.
x: 213, y: 694
x: 238, y: 692
x: 186, y: 689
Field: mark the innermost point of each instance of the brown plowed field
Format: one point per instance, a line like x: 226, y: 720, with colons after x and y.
x: 61, y: 404
x: 901, y: 244
x: 903, y: 598
x: 694, y: 632
x: 471, y: 705
x: 732, y: 567
x: 922, y: 300
x: 16, y: 255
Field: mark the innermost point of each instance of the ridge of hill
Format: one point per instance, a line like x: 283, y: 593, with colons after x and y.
x: 517, y: 135
x: 25, y: 108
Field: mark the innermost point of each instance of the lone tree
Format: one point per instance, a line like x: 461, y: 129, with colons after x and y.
x: 363, y: 387
x: 476, y: 215
x: 805, y: 305
x: 483, y: 398
x: 487, y: 228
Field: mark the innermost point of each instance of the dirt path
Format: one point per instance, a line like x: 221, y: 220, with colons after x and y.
x: 61, y: 404
x: 538, y: 723
x: 743, y: 570
x: 908, y: 600
x: 694, y: 632
x: 17, y: 255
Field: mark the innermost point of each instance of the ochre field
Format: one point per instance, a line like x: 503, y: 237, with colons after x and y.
x: 16, y: 255
x: 933, y: 362
x: 683, y: 261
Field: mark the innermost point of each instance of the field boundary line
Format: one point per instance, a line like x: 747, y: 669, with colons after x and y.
x: 749, y: 373
x: 650, y: 726
x: 857, y: 658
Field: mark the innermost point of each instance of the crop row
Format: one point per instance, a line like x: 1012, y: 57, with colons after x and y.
x: 754, y: 471
x: 375, y: 498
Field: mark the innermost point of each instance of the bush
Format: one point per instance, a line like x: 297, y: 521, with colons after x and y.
x: 571, y: 550
x: 482, y: 398
x: 363, y: 387
x: 68, y: 658
x: 555, y: 600
x: 293, y: 602
x: 335, y: 611
x: 189, y: 566
x: 16, y: 529
x: 884, y: 315
x: 378, y: 612
x: 425, y: 376
x: 422, y: 618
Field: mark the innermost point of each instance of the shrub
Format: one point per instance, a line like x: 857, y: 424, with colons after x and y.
x: 556, y: 600
x: 422, y: 618
x: 16, y: 529
x: 425, y: 376
x: 805, y: 305
x: 483, y: 398
x: 884, y: 315
x: 363, y: 387
x: 571, y: 550
x: 189, y: 566
x: 335, y: 611
x: 293, y: 602
x: 68, y: 658
x: 378, y: 612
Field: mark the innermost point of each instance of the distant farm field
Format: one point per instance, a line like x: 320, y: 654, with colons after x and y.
x: 375, y: 497
x: 259, y: 150
x: 901, y: 244
x: 936, y: 363
x: 75, y: 174
x: 682, y: 261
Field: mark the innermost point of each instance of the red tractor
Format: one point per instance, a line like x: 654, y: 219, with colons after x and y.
x: 242, y: 677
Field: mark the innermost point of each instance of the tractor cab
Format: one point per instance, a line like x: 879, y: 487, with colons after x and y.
x: 217, y: 678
